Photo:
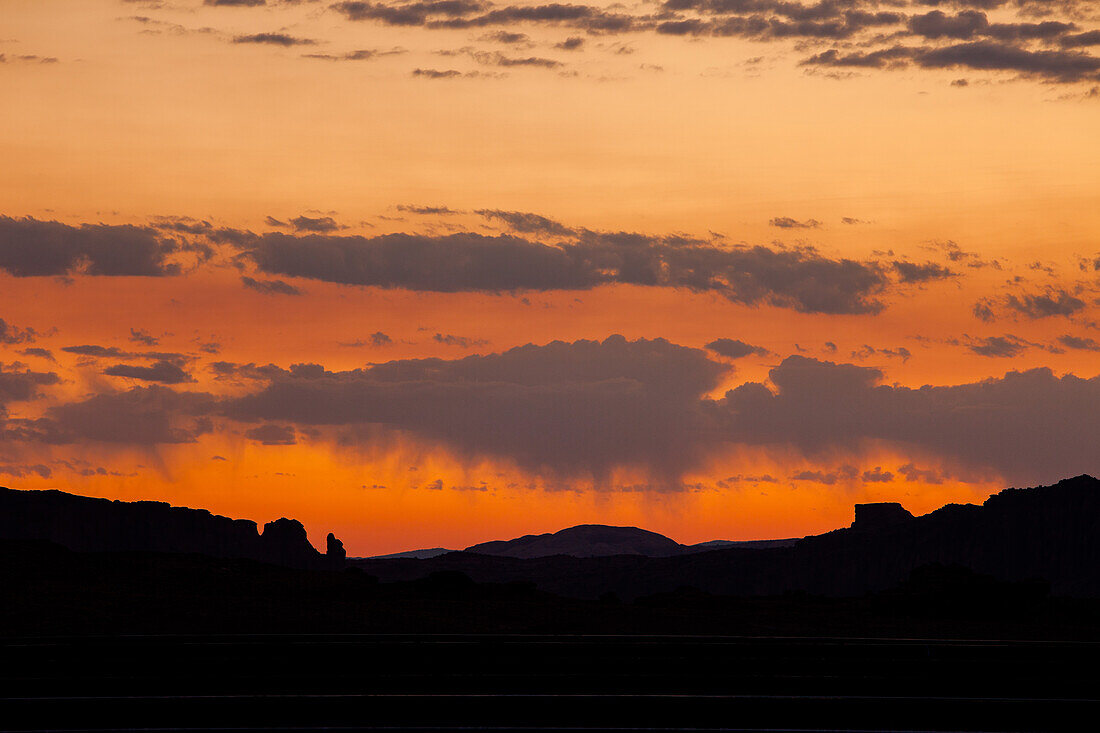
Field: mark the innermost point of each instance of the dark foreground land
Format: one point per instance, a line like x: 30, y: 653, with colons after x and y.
x: 150, y: 641
x: 121, y: 616
x: 527, y: 682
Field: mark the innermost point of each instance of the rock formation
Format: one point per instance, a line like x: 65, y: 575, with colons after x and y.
x: 871, y: 517
x: 335, y: 552
x: 100, y: 525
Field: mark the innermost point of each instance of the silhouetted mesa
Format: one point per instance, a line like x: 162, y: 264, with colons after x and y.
x: 88, y: 524
x: 870, y: 517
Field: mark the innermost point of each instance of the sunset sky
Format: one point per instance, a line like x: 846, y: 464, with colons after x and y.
x: 434, y: 273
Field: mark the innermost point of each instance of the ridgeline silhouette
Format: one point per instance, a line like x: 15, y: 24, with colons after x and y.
x: 1049, y: 533
x: 87, y: 524
x: 1025, y: 564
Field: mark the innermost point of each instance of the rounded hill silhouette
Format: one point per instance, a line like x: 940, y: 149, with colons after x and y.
x: 584, y: 540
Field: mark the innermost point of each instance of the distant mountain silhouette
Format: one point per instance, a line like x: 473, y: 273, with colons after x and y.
x: 585, y: 540
x: 1049, y: 533
x: 601, y: 540
x: 423, y: 554
x: 743, y: 544
x: 100, y: 525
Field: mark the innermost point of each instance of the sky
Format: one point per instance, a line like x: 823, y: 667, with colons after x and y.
x: 434, y: 273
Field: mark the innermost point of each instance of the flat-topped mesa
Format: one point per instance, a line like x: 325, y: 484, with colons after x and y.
x: 870, y: 517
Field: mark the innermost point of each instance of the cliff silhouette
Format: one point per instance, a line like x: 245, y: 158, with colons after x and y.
x: 87, y: 524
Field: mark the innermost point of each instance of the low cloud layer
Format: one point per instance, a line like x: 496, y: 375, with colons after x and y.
x: 586, y: 408
x: 581, y: 407
x: 799, y: 278
x: 1027, y: 426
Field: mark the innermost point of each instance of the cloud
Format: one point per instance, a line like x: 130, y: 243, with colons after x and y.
x: 465, y: 342
x: 936, y: 24
x: 1079, y: 342
x: 438, y: 74
x: 821, y: 477
x: 1062, y: 66
x: 798, y: 278
x: 998, y: 346
x: 24, y: 470
x: 458, y: 14
x: 877, y: 475
x: 921, y: 475
x: 272, y: 435
x: 786, y: 222
x: 877, y: 59
x: 143, y: 337
x: 983, y: 310
x: 19, y: 384
x: 867, y: 35
x: 376, y: 339
x: 911, y: 272
x: 363, y: 54
x: 319, y: 224
x: 142, y: 416
x: 570, y: 408
x: 270, y: 287
x: 274, y: 39
x: 586, y: 408
x: 427, y: 210
x: 495, y: 58
x: 30, y: 58
x: 235, y: 3
x: 1053, y: 302
x: 507, y: 37
x: 1089, y: 38
x: 29, y: 247
x: 415, y: 13
x: 40, y: 353
x: 528, y: 223
x: 867, y: 351
x: 96, y: 351
x: 735, y: 348
x: 11, y: 334
x: 1028, y: 426
x: 164, y: 372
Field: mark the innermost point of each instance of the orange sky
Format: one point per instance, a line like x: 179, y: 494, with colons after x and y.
x: 154, y: 113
